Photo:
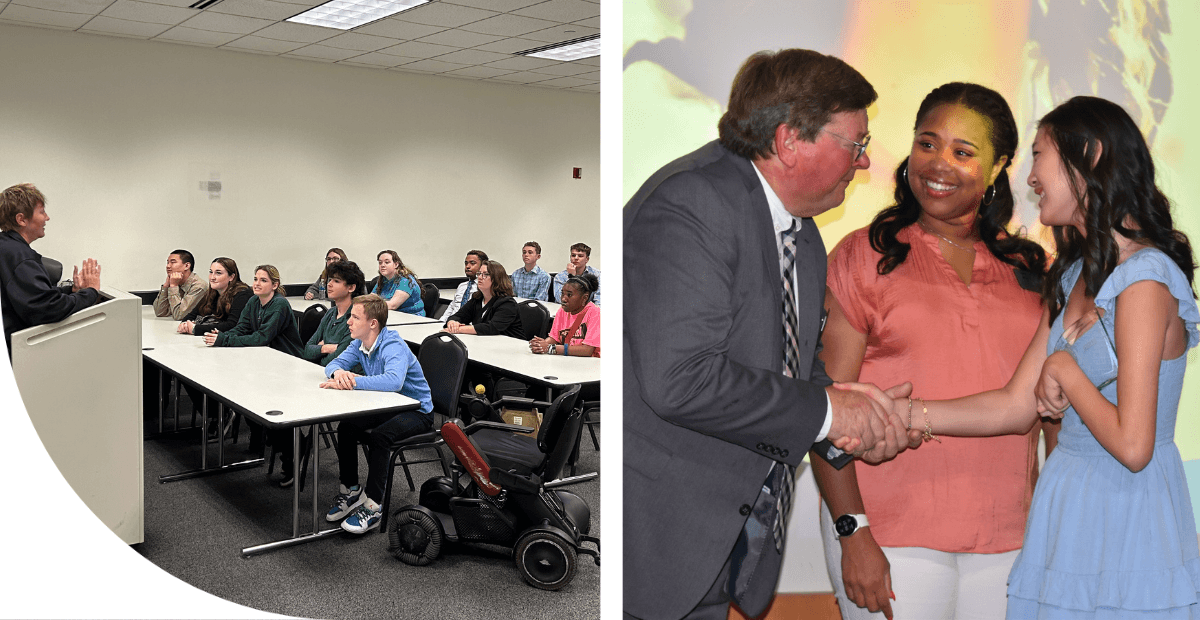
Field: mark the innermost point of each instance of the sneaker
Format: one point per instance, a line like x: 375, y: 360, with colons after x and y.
x: 363, y: 519
x: 288, y: 480
x: 346, y: 501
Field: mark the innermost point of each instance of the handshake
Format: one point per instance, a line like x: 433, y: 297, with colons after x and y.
x: 865, y: 423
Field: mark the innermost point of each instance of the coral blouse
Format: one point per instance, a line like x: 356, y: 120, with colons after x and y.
x: 965, y: 494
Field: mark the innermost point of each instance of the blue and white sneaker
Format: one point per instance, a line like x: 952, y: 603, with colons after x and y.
x: 364, y: 518
x: 345, y: 502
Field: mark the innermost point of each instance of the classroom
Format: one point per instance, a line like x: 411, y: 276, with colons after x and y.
x: 145, y: 142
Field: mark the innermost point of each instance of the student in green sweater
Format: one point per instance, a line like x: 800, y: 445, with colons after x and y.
x: 267, y: 323
x: 343, y: 281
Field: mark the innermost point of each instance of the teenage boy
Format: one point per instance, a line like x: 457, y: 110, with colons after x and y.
x: 578, y: 265
x: 471, y: 265
x: 182, y: 289
x: 388, y: 366
x: 531, y: 281
x: 343, y: 281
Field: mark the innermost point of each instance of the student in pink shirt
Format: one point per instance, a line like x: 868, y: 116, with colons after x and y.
x: 576, y: 327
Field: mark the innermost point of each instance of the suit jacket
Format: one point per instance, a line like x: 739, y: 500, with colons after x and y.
x: 706, y: 407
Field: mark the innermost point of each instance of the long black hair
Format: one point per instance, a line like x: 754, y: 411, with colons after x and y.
x: 1118, y: 189
x: 992, y: 223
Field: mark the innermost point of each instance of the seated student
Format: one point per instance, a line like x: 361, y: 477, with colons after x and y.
x: 182, y: 290
x: 317, y: 289
x: 580, y: 254
x: 27, y: 296
x: 529, y: 280
x: 222, y: 305
x: 388, y: 366
x: 576, y: 327
x: 397, y: 285
x: 344, y: 281
x: 491, y: 310
x: 471, y: 264
x: 266, y: 323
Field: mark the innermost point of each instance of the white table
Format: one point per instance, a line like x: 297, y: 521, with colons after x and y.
x: 278, y: 391
x: 396, y: 317
x: 300, y: 304
x: 512, y: 357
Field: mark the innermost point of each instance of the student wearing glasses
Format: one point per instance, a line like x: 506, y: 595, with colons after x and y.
x: 491, y: 310
x: 317, y: 289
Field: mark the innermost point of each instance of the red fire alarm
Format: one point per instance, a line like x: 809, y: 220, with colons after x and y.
x: 576, y: 173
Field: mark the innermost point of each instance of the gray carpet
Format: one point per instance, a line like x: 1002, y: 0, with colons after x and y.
x: 195, y: 530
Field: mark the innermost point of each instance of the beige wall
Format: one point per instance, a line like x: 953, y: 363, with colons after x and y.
x: 118, y: 134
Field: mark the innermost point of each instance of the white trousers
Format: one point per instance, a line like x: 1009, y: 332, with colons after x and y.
x: 929, y: 585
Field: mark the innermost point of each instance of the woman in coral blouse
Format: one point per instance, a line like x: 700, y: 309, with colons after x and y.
x: 937, y: 292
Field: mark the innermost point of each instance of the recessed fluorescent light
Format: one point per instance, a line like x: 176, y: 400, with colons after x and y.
x: 347, y: 14
x: 584, y: 47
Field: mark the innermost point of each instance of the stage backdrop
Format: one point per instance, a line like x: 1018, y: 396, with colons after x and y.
x: 680, y: 58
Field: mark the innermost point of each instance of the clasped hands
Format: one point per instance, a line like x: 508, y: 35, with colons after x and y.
x: 1051, y: 400
x: 341, y: 380
x: 866, y: 421
x: 453, y: 327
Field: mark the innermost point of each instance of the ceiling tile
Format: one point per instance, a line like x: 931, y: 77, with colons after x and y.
x: 108, y: 25
x: 478, y: 72
x: 565, y: 82
x: 219, y: 22
x: 593, y: 76
x: 417, y: 49
x: 377, y: 59
x: 42, y: 17
x: 590, y: 60
x: 495, y: 5
x: 413, y: 71
x: 565, y: 32
x: 256, y: 43
x: 564, y: 68
x: 300, y: 33
x: 435, y: 66
x: 473, y: 57
x: 324, y: 52
x: 523, y: 77
x: 359, y: 42
x: 522, y: 63
x: 508, y: 46
x: 591, y: 22
x: 308, y: 58
x: 397, y: 29
x: 509, y: 25
x: 179, y: 4
x: 266, y: 9
x: 89, y: 7
x: 460, y: 38
x: 184, y: 34
x: 441, y: 14
x: 133, y: 10
x: 592, y: 88
x: 362, y: 65
x: 561, y: 10
x: 303, y: 4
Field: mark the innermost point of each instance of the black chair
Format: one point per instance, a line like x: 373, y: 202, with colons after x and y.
x: 310, y: 321
x: 431, y: 297
x: 546, y: 455
x: 535, y: 319
x: 53, y: 269
x: 443, y: 359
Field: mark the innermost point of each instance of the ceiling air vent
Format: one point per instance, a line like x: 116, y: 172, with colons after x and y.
x: 202, y: 4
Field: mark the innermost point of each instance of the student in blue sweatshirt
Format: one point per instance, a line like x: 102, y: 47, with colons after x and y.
x: 388, y: 366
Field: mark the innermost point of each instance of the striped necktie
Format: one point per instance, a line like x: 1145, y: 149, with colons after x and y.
x: 785, y: 474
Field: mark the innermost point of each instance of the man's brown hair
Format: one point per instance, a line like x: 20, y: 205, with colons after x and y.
x: 799, y: 88
x: 23, y: 199
x: 374, y: 307
x: 582, y: 247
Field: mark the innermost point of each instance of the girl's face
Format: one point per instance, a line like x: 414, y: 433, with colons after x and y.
x: 1049, y: 180
x: 336, y: 289
x: 387, y: 266
x: 263, y: 287
x: 331, y: 258
x: 952, y: 162
x: 218, y: 277
x: 484, y: 281
x: 573, y: 300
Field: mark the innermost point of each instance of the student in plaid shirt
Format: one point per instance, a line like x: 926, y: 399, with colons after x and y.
x: 531, y: 281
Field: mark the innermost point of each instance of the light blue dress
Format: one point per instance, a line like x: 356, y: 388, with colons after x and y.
x: 1103, y: 542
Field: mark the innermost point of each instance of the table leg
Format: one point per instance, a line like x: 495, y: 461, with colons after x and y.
x: 220, y: 431
x: 296, y: 482
x: 175, y: 392
x: 162, y: 405
x: 312, y: 432
x: 203, y: 433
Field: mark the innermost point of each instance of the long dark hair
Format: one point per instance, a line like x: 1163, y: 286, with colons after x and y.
x: 1119, y: 188
x: 994, y: 216
x: 216, y: 303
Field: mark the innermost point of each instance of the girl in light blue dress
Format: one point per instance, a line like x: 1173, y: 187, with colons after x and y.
x: 1111, y: 534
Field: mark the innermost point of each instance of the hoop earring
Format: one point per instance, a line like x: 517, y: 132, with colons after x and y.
x: 989, y: 195
x: 904, y: 173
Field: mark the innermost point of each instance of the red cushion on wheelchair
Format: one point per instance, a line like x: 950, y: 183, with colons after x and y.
x: 469, y: 457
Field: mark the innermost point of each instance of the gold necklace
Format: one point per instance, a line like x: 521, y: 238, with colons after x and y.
x: 943, y: 237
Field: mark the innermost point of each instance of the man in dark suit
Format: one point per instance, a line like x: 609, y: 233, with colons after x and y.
x: 711, y: 416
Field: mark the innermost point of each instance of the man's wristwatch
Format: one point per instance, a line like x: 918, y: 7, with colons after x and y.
x: 550, y: 350
x: 846, y: 525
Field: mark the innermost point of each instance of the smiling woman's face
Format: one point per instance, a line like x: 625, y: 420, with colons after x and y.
x: 952, y: 162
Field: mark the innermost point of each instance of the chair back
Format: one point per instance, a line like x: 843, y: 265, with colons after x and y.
x: 53, y: 269
x: 443, y: 359
x: 430, y: 296
x: 535, y: 319
x: 556, y: 439
x: 310, y: 321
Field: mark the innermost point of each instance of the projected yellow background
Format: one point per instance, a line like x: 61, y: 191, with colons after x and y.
x: 680, y: 58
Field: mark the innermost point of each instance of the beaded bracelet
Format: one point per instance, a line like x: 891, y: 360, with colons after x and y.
x: 928, y: 434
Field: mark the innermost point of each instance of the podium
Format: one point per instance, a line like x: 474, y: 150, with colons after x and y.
x: 81, y: 381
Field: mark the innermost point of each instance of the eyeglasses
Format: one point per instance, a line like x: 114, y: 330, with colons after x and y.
x: 862, y: 146
x: 484, y: 274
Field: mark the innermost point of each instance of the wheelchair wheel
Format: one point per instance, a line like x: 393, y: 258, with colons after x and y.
x: 415, y: 536
x: 545, y: 560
